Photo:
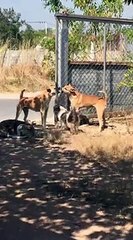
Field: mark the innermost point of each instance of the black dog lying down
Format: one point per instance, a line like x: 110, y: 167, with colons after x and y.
x: 14, y: 128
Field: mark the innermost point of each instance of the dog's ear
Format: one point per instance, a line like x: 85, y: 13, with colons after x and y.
x: 48, y: 90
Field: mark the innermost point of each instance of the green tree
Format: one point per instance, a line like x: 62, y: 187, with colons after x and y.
x: 90, y: 7
x: 10, y: 24
x: 53, y: 5
x: 106, y: 8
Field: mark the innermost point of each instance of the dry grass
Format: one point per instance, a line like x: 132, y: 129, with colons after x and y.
x: 110, y: 145
x: 55, y: 136
x: 31, y: 77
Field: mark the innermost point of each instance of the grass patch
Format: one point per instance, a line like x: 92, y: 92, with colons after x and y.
x: 112, y: 147
x: 55, y: 136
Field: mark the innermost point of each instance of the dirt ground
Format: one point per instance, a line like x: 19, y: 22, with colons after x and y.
x: 49, y: 190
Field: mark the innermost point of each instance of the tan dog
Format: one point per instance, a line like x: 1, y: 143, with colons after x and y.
x: 39, y: 103
x: 79, y: 100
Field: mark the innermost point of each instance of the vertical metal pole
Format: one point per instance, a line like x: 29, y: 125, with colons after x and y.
x: 56, y: 55
x: 104, y: 60
x: 63, y: 53
x: 63, y: 58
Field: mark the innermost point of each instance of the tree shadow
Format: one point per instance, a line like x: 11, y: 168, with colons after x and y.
x: 49, y: 193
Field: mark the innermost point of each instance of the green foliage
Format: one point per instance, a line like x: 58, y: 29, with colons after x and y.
x: 53, y: 5
x: 28, y: 36
x: 49, y: 43
x: 77, y: 35
x: 106, y: 8
x: 128, y: 76
x: 49, y: 65
x: 10, y: 24
x: 112, y: 8
x: 13, y: 34
x: 128, y: 79
x: 128, y: 33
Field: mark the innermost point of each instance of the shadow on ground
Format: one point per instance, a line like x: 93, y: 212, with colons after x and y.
x: 49, y: 193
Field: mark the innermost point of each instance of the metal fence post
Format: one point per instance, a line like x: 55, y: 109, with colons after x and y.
x: 63, y: 53
x: 104, y: 59
x: 56, y: 54
x: 61, y: 68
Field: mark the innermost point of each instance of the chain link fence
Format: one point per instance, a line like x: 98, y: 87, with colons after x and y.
x: 96, y: 54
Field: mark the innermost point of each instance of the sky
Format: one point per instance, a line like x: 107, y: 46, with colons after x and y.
x: 33, y: 11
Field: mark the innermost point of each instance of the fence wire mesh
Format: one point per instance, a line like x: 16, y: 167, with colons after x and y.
x: 85, y: 47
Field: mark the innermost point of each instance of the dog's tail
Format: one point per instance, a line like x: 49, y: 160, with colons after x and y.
x: 21, y: 94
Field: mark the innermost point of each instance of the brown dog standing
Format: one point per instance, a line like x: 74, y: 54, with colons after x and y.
x: 79, y: 100
x: 39, y: 103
